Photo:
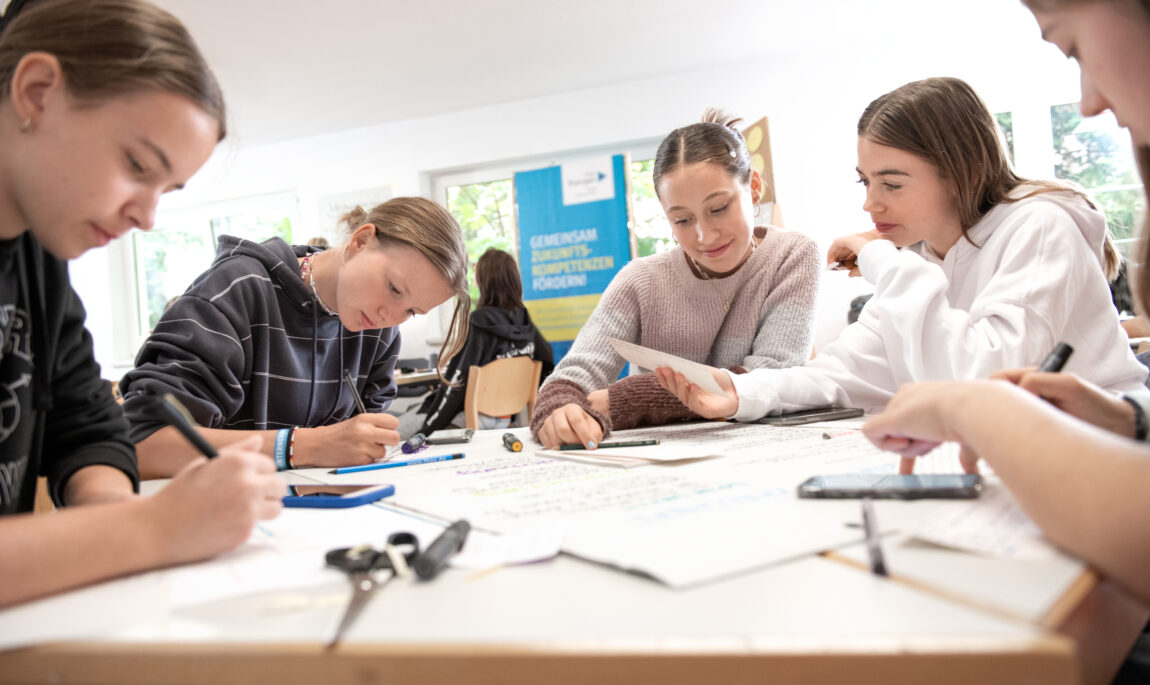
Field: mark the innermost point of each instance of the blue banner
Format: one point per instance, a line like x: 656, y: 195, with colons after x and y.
x: 573, y: 239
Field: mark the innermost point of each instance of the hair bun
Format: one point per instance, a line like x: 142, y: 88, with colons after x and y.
x: 715, y: 115
x: 354, y: 219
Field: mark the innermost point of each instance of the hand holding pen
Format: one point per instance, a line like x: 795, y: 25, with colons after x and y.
x: 1080, y: 398
x: 360, y: 439
x: 214, y: 505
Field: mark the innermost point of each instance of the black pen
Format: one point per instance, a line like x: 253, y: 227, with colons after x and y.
x: 434, y: 558
x: 873, y: 540
x: 607, y: 445
x: 178, y: 416
x: 1056, y: 359
x: 354, y: 393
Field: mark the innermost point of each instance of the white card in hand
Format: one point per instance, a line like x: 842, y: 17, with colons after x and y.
x: 645, y: 357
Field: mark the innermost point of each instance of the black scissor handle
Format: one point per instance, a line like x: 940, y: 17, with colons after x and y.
x: 354, y: 559
x: 366, y: 558
x: 406, y: 543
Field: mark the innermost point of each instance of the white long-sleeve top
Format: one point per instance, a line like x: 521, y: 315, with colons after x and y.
x: 1035, y: 280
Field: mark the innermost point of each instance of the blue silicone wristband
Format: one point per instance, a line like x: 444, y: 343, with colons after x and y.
x: 282, y: 437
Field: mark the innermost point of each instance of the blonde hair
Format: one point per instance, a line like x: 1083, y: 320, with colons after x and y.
x: 108, y: 48
x: 429, y: 229
x: 943, y: 121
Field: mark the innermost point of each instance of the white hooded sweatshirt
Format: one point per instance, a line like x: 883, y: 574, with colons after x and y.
x: 1036, y: 279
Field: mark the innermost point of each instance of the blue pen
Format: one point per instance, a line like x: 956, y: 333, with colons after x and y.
x: 394, y: 464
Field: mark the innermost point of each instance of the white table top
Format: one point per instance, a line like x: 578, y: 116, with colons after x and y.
x: 957, y: 604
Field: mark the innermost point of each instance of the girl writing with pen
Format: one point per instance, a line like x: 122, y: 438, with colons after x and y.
x: 261, y: 342
x: 975, y: 269
x: 104, y: 106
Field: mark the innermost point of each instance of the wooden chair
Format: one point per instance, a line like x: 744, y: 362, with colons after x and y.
x: 501, y: 388
x: 43, y: 500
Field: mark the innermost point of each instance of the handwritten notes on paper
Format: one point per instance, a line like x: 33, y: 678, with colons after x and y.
x: 647, y: 358
x: 739, y: 505
x: 993, y: 525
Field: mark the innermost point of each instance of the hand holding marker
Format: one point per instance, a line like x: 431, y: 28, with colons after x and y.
x: 177, y: 415
x: 1056, y: 359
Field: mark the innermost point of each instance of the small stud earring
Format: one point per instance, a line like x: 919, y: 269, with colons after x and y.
x: 26, y: 124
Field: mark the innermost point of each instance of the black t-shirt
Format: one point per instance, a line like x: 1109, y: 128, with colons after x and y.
x: 56, y: 413
x: 15, y: 381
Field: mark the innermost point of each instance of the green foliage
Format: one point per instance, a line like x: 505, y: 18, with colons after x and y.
x: 1006, y: 125
x: 484, y: 213
x: 170, y: 249
x: 652, y: 234
x: 1098, y: 162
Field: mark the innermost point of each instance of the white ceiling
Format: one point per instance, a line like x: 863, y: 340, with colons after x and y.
x: 292, y: 68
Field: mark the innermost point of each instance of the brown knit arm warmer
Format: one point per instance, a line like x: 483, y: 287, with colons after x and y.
x: 640, y: 401
x: 558, y: 392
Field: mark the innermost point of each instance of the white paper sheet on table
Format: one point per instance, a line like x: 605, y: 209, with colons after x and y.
x: 993, y: 525
x: 485, y: 550
x: 710, y: 536
x: 638, y: 455
x: 645, y: 357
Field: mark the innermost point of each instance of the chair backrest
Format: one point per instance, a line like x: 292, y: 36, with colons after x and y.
x: 501, y: 388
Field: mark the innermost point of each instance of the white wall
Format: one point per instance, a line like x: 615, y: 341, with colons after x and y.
x: 813, y: 100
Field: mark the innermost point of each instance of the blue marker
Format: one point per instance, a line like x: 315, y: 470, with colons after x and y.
x: 394, y: 464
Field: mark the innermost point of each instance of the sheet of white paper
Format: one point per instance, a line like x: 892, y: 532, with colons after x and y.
x: 710, y: 535
x: 645, y: 357
x: 633, y: 456
x: 487, y: 550
x: 993, y: 524
x: 288, y: 553
x: 590, y: 457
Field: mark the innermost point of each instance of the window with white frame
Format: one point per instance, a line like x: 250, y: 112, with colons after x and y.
x: 183, y: 244
x: 1096, y: 154
x: 481, y: 200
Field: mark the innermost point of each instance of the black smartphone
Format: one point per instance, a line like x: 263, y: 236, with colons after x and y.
x: 450, y: 436
x: 335, y: 496
x: 893, y: 486
x: 798, y: 418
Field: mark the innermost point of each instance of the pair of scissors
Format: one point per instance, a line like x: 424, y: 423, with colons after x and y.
x: 361, y: 563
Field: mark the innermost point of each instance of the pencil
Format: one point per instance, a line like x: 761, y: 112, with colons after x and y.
x: 394, y: 464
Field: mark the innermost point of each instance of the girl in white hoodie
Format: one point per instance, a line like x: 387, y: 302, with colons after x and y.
x: 975, y: 269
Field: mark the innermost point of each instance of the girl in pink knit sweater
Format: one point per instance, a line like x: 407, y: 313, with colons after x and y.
x: 731, y: 294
